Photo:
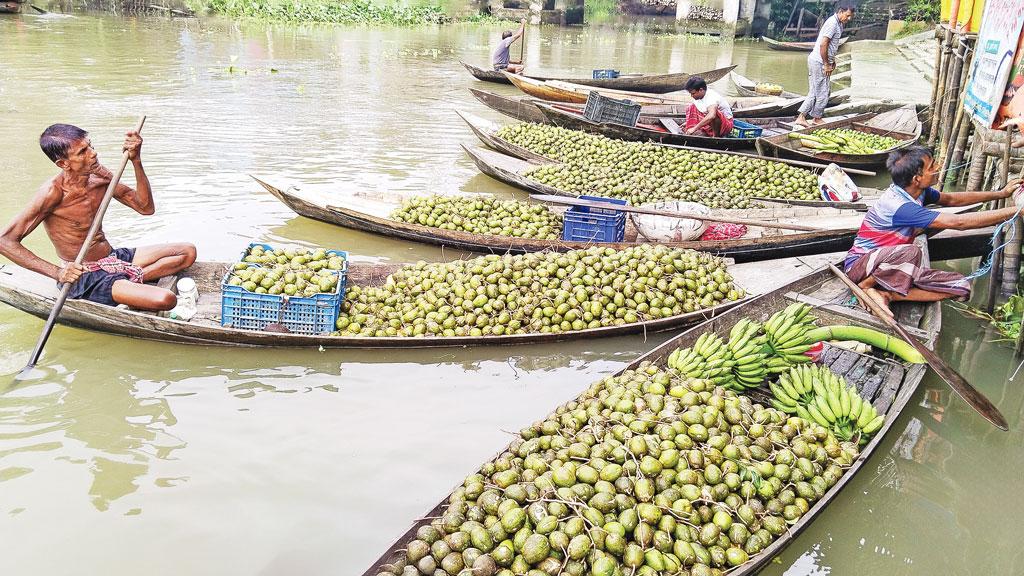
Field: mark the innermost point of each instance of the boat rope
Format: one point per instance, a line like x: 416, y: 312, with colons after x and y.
x: 986, y: 267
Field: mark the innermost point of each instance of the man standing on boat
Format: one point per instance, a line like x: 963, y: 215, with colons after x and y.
x: 710, y: 113
x: 820, y: 64
x: 499, y: 58
x: 67, y: 203
x: 885, y: 262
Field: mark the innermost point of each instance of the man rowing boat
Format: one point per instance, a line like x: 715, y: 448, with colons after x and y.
x: 500, y: 58
x: 885, y: 262
x: 67, y: 203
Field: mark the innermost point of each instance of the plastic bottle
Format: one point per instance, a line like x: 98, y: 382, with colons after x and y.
x: 188, y: 298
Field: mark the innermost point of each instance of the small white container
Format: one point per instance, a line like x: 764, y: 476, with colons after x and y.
x: 188, y: 299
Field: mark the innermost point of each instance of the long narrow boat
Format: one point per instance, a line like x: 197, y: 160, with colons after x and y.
x: 525, y: 108
x: 888, y: 384
x: 371, y: 214
x: 902, y: 124
x: 742, y: 107
x: 746, y: 87
x: 34, y: 293
x: 648, y: 83
x: 795, y: 46
x: 650, y: 130
x: 562, y: 91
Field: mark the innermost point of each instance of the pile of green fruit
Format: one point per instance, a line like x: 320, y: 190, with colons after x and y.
x: 845, y: 141
x: 482, y: 215
x: 642, y: 172
x: 538, y: 293
x: 815, y: 393
x: 645, y: 473
x: 767, y: 88
x: 291, y: 271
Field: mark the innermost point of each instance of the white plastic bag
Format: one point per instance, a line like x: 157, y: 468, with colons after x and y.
x: 668, y: 229
x: 836, y: 186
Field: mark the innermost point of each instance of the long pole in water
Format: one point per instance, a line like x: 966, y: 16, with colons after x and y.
x: 671, y: 214
x: 97, y: 220
x: 961, y: 386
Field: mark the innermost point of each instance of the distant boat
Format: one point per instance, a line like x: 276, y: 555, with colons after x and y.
x: 795, y: 46
x: 648, y: 83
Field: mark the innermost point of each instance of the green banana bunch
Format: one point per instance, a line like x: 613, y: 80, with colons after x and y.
x: 709, y: 358
x: 816, y: 394
x: 747, y: 347
x: 795, y: 389
x: 786, y: 337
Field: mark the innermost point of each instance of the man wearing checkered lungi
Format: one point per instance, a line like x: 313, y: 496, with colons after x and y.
x: 885, y: 262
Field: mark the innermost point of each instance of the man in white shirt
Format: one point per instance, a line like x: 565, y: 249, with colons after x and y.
x: 710, y: 113
x: 820, y: 64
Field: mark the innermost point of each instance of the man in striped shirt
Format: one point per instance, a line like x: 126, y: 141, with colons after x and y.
x: 885, y: 262
x: 820, y: 64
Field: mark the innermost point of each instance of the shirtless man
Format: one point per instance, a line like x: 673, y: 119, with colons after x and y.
x: 66, y: 204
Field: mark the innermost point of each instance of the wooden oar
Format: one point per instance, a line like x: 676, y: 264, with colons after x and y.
x: 66, y: 288
x: 962, y: 387
x: 694, y: 215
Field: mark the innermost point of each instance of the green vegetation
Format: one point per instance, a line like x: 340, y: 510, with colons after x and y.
x: 923, y: 11
x: 331, y: 11
x: 1006, y: 319
x: 910, y: 29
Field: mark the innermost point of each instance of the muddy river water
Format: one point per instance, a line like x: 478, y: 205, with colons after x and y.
x: 134, y: 457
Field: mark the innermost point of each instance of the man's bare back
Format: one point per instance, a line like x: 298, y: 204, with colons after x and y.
x: 66, y: 206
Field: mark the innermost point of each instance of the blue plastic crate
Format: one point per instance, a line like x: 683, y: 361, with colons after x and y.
x: 315, y: 314
x: 741, y: 129
x: 605, y: 73
x: 586, y: 224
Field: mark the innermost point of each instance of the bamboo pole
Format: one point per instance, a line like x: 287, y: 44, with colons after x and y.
x: 959, y: 146
x: 1011, y: 255
x: 935, y: 82
x: 997, y: 260
x: 941, y: 90
x: 954, y: 95
x: 976, y: 175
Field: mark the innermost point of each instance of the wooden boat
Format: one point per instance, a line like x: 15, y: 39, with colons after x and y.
x: 653, y: 129
x: 525, y: 108
x: 888, y: 384
x: 521, y: 108
x: 795, y: 46
x: 649, y: 83
x: 370, y: 213
x: 745, y: 87
x: 14, y: 6
x: 742, y: 107
x: 902, y: 124
x: 562, y: 91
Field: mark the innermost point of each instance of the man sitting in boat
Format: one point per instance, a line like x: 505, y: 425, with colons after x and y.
x: 885, y: 262
x: 500, y: 56
x: 67, y: 203
x: 710, y: 113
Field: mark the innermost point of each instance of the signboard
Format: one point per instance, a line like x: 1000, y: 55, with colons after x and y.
x: 1012, y: 105
x: 993, y: 57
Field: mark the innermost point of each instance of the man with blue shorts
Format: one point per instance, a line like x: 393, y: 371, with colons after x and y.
x: 67, y: 203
